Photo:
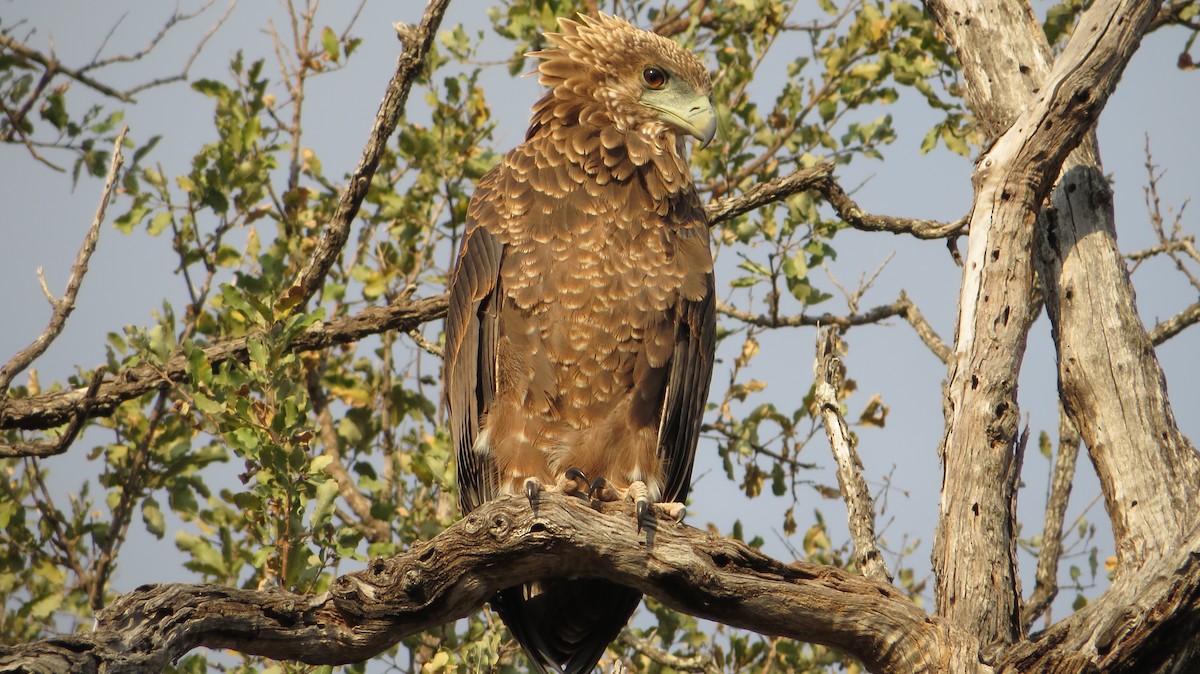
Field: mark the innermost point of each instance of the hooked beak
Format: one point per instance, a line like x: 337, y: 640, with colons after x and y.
x: 694, y: 117
x: 700, y: 120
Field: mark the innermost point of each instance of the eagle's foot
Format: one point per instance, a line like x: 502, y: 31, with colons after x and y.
x: 600, y: 490
x: 572, y: 483
x: 673, y: 511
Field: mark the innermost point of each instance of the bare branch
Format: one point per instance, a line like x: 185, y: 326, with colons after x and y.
x: 502, y: 544
x: 1046, y: 579
x: 412, y: 60
x: 53, y: 65
x: 187, y: 65
x: 1175, y: 325
x: 874, y: 315
x: 924, y: 330
x: 64, y: 307
x: 776, y: 189
x: 828, y: 372
x: 820, y: 179
x: 858, y: 219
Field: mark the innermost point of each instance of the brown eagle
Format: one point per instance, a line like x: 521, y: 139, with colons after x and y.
x: 580, y: 333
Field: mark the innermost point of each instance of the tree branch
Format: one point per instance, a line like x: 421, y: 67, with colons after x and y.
x: 828, y: 372
x: 1113, y: 388
x: 64, y: 306
x: 873, y: 315
x: 858, y: 219
x: 1046, y: 578
x: 412, y: 60
x: 53, y: 65
x: 55, y: 408
x: 1175, y: 324
x: 820, y: 178
x: 501, y: 544
x: 776, y: 189
x: 975, y: 544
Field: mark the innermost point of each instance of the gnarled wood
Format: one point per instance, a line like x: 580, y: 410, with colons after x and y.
x: 501, y: 544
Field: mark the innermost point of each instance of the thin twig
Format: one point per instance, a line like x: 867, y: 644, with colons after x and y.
x: 694, y: 663
x: 64, y: 307
x: 417, y: 43
x: 874, y: 315
x: 1046, y: 583
x: 52, y: 64
x: 828, y: 372
x: 187, y: 65
x: 1175, y: 324
x: 374, y: 529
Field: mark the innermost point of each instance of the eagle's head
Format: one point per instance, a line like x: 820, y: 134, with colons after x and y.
x: 605, y: 73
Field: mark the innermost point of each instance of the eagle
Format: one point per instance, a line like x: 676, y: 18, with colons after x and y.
x: 581, y: 330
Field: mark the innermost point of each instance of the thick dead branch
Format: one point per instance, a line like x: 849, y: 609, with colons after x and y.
x: 1143, y: 623
x: 500, y: 545
x: 1113, y: 388
x: 828, y: 372
x: 55, y: 408
x: 63, y: 307
x: 974, y: 550
x: 412, y: 60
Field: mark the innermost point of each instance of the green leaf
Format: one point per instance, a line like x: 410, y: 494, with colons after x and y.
x: 158, y: 223
x: 322, y: 512
x: 153, y: 517
x: 329, y: 42
x: 42, y: 608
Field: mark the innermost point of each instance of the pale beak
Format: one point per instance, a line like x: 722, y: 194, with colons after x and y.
x: 701, y: 120
x: 694, y: 117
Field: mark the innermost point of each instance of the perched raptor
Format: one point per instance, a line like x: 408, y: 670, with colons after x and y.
x: 580, y: 334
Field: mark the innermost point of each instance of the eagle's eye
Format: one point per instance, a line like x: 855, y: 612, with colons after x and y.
x: 655, y: 78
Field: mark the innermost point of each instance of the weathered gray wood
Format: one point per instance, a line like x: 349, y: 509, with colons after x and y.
x: 1044, y: 115
x: 501, y: 544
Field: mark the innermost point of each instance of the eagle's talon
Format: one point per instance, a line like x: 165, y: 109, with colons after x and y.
x: 533, y: 488
x: 572, y: 482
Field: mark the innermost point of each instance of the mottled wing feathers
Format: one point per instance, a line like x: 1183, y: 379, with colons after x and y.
x: 690, y: 374
x: 470, y: 366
